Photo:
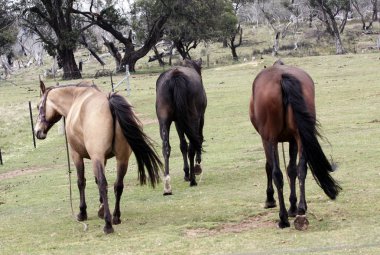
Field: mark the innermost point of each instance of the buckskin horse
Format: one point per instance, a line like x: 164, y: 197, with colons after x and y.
x: 180, y: 97
x: 98, y: 126
x: 282, y: 109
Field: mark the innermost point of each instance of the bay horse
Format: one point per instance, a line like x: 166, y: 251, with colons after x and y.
x: 181, y: 97
x: 282, y: 109
x: 98, y: 126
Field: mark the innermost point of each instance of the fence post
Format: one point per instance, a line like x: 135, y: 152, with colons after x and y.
x: 1, y: 158
x: 127, y: 80
x: 31, y: 121
x: 113, y: 90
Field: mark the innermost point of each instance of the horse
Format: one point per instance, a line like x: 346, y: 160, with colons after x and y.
x: 181, y: 97
x: 99, y: 126
x: 282, y: 109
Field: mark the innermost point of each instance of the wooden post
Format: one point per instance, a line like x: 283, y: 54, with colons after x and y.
x: 1, y: 158
x: 128, y: 89
x: 31, y: 122
x: 113, y: 90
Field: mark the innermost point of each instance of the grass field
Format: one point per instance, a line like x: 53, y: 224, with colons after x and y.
x: 224, y: 214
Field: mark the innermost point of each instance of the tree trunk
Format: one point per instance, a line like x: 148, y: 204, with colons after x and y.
x: 234, y: 55
x: 115, y: 54
x: 339, y: 46
x: 158, y: 56
x: 181, y: 49
x: 70, y: 68
x: 276, y: 44
x: 5, y: 65
x: 233, y: 45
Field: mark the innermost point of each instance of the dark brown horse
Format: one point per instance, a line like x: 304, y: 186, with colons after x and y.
x: 98, y: 126
x: 180, y: 97
x: 282, y: 110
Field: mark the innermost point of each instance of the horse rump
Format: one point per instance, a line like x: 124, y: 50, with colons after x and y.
x: 307, y: 129
x: 141, y: 144
x: 178, y: 85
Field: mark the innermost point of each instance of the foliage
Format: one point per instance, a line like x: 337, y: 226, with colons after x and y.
x: 8, y: 29
x: 52, y: 21
x: 195, y: 21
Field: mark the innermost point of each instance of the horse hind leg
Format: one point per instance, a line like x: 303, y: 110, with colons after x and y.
x: 118, y: 190
x: 98, y: 168
x: 164, y: 133
x: 101, y: 206
x: 270, y: 202
x: 301, y: 222
x: 184, y: 151
x: 193, y: 182
x: 198, y: 157
x: 292, y: 174
x: 279, y: 182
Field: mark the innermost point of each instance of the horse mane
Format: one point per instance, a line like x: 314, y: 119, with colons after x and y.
x: 195, y: 64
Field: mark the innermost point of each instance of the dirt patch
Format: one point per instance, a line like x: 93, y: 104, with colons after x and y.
x: 22, y: 171
x: 258, y: 221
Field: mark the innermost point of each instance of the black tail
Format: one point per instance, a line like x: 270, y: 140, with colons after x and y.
x: 307, y: 128
x: 178, y: 86
x: 140, y: 143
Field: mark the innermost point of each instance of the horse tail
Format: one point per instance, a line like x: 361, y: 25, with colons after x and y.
x: 178, y: 85
x: 308, y: 132
x: 140, y: 143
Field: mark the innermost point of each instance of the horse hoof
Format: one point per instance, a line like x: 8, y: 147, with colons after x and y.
x: 197, y: 169
x: 168, y: 193
x: 116, y: 221
x: 270, y: 204
x: 283, y: 224
x: 101, y: 211
x: 82, y: 216
x: 301, y: 222
x: 193, y: 183
x: 108, y: 230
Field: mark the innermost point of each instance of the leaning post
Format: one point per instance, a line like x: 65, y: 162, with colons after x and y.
x: 112, y: 88
x: 127, y: 80
x: 31, y: 122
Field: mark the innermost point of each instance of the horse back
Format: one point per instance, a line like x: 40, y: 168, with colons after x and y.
x: 90, y: 125
x: 165, y: 102
x: 267, y: 110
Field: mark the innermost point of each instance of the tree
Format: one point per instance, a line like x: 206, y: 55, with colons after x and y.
x: 8, y: 29
x: 359, y: 6
x: 52, y: 21
x: 195, y: 21
x: 330, y: 10
x: 8, y: 34
x: 148, y: 20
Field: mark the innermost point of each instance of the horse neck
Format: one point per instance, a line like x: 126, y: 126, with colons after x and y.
x: 63, y: 98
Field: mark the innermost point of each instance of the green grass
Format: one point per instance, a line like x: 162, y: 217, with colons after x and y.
x: 35, y: 214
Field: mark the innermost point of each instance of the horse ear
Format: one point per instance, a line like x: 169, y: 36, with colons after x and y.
x: 42, y: 87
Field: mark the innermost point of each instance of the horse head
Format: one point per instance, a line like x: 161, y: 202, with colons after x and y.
x: 47, y: 115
